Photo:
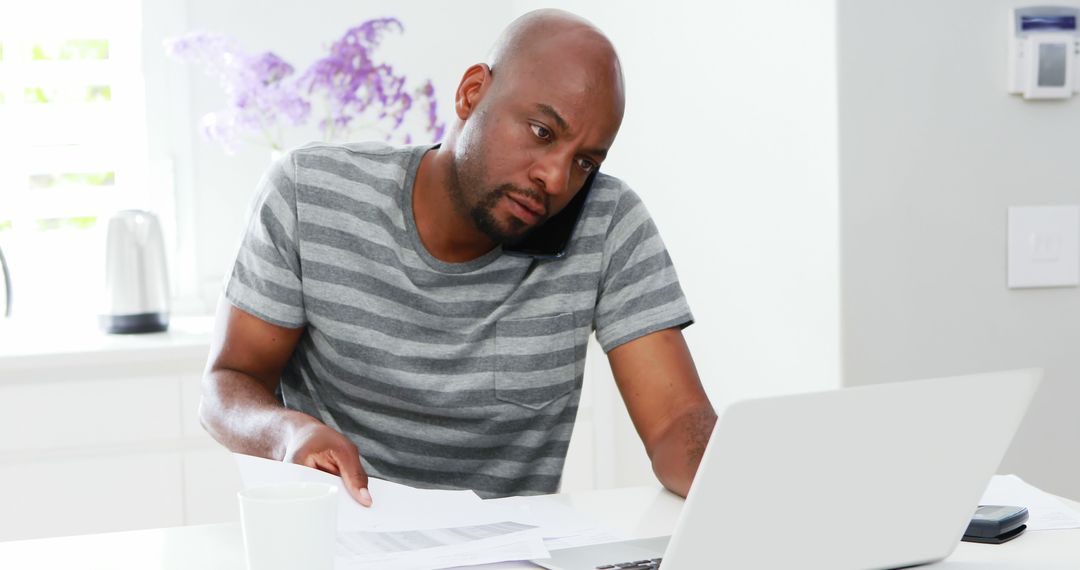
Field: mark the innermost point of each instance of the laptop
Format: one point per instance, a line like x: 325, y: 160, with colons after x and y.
x: 874, y: 477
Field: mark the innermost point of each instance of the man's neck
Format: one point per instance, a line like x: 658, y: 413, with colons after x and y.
x: 448, y: 234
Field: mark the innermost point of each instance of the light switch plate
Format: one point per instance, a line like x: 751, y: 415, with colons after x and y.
x: 1044, y: 246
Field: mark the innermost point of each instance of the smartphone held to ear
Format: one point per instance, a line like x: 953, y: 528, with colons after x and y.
x: 551, y: 239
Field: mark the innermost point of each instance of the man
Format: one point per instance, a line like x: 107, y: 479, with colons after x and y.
x: 376, y: 326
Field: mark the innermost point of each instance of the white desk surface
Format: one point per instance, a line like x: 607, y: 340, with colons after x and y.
x: 637, y: 511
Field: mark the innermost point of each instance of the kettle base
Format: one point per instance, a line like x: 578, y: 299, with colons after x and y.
x: 134, y: 324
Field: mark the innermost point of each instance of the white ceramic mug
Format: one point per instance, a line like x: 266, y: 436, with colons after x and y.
x: 289, y: 526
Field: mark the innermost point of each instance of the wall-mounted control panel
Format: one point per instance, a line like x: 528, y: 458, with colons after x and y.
x: 1043, y: 50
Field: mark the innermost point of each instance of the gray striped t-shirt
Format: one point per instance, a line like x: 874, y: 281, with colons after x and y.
x: 444, y: 375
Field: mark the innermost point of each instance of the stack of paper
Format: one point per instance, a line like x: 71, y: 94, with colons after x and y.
x: 561, y: 526
x: 438, y: 548
x: 420, y: 529
x: 1045, y: 511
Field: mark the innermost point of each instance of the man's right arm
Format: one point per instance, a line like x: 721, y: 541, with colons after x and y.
x: 239, y: 410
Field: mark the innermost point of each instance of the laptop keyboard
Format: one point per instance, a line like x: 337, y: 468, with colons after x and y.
x: 652, y: 564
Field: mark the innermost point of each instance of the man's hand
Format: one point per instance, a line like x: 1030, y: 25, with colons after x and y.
x: 316, y: 445
x: 239, y: 409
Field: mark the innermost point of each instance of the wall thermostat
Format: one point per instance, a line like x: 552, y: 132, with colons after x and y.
x: 1043, y: 48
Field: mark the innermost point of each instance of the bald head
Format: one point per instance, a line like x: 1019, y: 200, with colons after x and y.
x: 552, y: 36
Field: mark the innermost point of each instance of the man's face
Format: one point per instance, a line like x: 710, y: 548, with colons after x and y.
x: 530, y: 144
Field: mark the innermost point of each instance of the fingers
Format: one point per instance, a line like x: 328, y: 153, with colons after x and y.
x: 353, y: 474
x: 322, y: 448
x: 312, y: 462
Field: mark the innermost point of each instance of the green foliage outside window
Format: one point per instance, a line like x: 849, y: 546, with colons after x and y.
x: 98, y: 93
x: 93, y: 94
x: 73, y: 223
x: 40, y: 181
x: 53, y: 224
x: 69, y: 50
x: 38, y: 95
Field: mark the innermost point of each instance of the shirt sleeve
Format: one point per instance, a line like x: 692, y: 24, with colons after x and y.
x: 266, y: 277
x: 639, y: 290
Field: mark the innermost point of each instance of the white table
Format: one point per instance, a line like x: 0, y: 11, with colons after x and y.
x: 637, y: 511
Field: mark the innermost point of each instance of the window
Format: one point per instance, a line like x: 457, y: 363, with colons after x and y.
x: 73, y: 145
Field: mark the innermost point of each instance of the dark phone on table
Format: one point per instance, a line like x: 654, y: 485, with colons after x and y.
x: 550, y: 239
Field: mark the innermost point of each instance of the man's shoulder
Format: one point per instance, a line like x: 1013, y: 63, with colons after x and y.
x: 612, y: 196
x: 610, y: 187
x: 363, y: 155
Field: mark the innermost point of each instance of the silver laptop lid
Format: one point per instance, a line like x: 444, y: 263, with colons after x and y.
x: 879, y: 476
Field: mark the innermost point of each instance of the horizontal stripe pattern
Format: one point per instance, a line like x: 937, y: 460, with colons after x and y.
x: 464, y: 375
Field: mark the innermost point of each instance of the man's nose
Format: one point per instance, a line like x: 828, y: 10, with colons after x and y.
x: 551, y: 173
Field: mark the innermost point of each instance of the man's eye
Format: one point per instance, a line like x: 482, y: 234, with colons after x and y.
x: 587, y: 165
x: 541, y: 132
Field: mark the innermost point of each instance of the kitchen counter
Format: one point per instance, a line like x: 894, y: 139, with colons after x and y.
x: 34, y: 346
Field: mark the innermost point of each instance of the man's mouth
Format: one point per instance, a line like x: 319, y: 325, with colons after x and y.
x: 528, y: 210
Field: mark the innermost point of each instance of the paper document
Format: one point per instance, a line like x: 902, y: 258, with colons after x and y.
x: 560, y: 525
x: 438, y: 548
x: 408, y: 528
x: 1045, y: 511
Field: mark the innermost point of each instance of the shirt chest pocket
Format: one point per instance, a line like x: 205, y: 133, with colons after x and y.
x: 534, y: 360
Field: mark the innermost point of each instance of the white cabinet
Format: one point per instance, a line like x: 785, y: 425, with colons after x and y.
x: 86, y: 411
x: 53, y: 497
x: 101, y: 435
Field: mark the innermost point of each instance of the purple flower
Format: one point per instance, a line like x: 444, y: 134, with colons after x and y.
x: 354, y: 82
x: 262, y: 92
x: 258, y: 95
x: 271, y: 68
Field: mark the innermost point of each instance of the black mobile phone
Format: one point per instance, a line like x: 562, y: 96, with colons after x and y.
x: 996, y: 524
x: 550, y: 239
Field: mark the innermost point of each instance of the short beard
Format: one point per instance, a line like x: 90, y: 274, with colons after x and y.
x: 480, y: 213
x: 481, y: 216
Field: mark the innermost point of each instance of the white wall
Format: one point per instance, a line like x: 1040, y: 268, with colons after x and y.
x: 933, y: 151
x: 730, y: 138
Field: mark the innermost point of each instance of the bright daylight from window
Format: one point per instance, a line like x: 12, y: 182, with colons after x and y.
x: 72, y: 119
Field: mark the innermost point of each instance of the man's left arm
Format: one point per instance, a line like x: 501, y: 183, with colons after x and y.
x: 670, y: 410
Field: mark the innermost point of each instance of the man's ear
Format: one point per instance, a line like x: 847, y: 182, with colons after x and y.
x: 471, y: 89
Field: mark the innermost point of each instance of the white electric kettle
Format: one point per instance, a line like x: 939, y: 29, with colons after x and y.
x: 136, y: 298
